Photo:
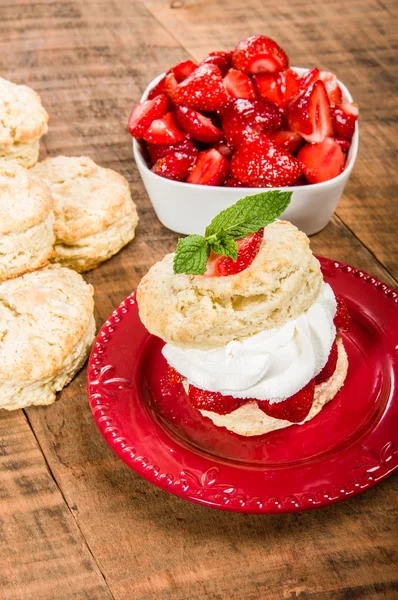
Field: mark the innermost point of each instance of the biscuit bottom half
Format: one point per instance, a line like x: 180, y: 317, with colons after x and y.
x: 248, y: 420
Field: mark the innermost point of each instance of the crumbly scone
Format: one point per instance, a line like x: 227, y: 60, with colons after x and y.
x: 95, y: 215
x: 26, y: 221
x: 249, y: 420
x: 23, y: 121
x: 193, y: 311
x: 46, y: 330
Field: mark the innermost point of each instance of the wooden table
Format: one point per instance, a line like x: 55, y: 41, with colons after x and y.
x: 75, y: 522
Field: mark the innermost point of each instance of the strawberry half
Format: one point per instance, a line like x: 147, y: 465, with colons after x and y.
x: 330, y: 366
x: 321, y: 162
x: 239, y: 85
x: 158, y: 89
x: 288, y: 140
x: 157, y: 151
x: 310, y: 114
x: 202, y: 90
x: 248, y: 248
x: 170, y: 84
x: 183, y: 70
x: 280, y: 88
x: 146, y: 112
x: 232, y: 182
x: 333, y: 89
x: 294, y: 409
x: 174, y: 166
x: 342, y: 319
x: 221, y: 58
x: 259, y: 54
x: 344, y: 144
x: 164, y: 131
x: 173, y: 376
x: 211, y: 168
x: 213, y: 401
x: 241, y: 118
x: 197, y: 125
x: 344, y: 118
x: 260, y: 163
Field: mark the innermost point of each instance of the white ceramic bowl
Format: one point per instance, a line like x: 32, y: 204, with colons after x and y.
x: 188, y: 208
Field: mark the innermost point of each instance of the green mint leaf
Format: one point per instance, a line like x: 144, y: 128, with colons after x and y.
x: 249, y: 214
x: 191, y: 255
x: 225, y: 245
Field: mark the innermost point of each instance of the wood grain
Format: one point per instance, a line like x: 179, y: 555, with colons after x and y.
x: 92, y: 528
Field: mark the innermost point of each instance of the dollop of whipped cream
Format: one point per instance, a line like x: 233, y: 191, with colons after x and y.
x: 271, y: 365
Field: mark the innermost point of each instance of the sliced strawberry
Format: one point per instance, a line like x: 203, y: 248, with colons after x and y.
x: 224, y: 149
x: 174, y: 166
x: 322, y: 161
x: 294, y: 409
x: 197, y: 125
x: 211, y: 168
x: 329, y: 79
x: 300, y: 181
x: 310, y: 114
x: 183, y: 70
x: 241, y: 118
x: 280, y: 88
x: 260, y: 163
x: 330, y: 366
x: 344, y: 118
x: 342, y: 319
x: 344, y: 144
x: 146, y: 112
x: 288, y: 140
x: 158, y: 89
x: 173, y: 376
x: 259, y: 54
x: 202, y: 90
x: 213, y: 401
x: 232, y: 182
x: 222, y: 59
x: 157, y: 151
x: 170, y: 84
x: 239, y: 85
x: 248, y: 248
x: 164, y: 131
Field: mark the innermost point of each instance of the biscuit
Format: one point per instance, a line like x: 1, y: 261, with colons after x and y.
x: 95, y: 215
x: 26, y: 221
x: 194, y: 311
x: 23, y: 121
x: 249, y: 420
x: 46, y: 330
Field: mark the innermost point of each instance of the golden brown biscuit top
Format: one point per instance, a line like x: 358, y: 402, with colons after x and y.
x: 22, y: 116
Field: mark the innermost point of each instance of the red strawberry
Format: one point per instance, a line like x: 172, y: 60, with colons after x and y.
x: 157, y: 151
x: 183, y: 70
x: 241, y: 118
x: 224, y: 149
x: 260, y: 163
x: 197, y: 125
x: 321, y: 162
x: 174, y: 166
x: 259, y: 54
x: 288, y: 140
x: 173, y: 376
x: 222, y: 59
x: 213, y: 401
x: 294, y: 409
x: 170, y: 84
x: 344, y: 117
x: 329, y: 79
x: 342, y: 319
x: 300, y: 181
x: 330, y: 366
x: 248, y: 248
x: 280, y: 88
x: 158, y: 89
x: 202, y: 90
x: 164, y: 131
x: 239, y: 85
x: 211, y: 168
x: 232, y: 182
x: 344, y: 144
x: 146, y: 112
x: 310, y: 114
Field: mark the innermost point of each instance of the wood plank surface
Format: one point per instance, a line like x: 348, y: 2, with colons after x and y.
x: 93, y: 528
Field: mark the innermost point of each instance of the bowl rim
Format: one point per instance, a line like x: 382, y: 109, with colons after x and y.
x: 352, y: 155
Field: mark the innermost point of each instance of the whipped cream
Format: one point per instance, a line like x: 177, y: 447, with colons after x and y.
x: 271, y: 365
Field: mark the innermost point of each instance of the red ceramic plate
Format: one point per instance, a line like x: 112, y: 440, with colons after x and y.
x: 347, y: 448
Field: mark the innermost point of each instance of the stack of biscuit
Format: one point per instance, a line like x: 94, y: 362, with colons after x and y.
x: 65, y: 210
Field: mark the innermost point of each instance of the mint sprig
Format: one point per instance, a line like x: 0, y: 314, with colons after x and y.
x: 246, y: 216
